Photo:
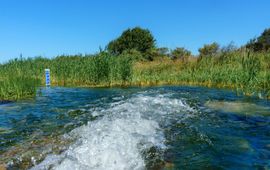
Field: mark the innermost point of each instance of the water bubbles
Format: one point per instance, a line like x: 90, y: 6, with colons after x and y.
x: 127, y: 136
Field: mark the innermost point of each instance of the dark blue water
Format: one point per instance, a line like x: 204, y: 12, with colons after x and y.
x: 136, y: 128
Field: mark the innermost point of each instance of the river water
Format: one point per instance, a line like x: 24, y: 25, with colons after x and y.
x: 135, y: 128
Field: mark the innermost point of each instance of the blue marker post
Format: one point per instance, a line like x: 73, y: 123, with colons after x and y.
x: 47, y: 78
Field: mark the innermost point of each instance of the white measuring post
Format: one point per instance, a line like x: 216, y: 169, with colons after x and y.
x: 47, y: 77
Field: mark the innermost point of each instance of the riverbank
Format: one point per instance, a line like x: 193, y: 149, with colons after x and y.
x: 246, y: 73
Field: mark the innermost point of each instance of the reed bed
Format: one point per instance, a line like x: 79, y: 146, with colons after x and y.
x: 247, y: 72
x: 21, y: 78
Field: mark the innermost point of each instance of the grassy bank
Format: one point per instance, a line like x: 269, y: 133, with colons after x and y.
x: 16, y: 82
x: 20, y: 78
x: 244, y: 71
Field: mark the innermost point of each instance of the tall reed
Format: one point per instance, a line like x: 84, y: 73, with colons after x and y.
x: 247, y: 72
x: 19, y: 78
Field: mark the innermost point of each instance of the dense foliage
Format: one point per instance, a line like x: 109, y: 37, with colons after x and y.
x: 19, y: 78
x: 137, y: 39
x: 262, y: 43
x: 180, y: 53
x: 209, y: 50
x: 245, y: 71
x: 125, y: 63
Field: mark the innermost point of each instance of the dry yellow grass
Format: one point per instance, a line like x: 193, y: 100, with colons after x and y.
x: 2, y: 167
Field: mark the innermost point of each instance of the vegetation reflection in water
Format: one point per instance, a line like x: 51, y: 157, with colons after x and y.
x: 183, y: 128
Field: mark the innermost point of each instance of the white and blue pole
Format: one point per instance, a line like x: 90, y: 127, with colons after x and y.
x: 47, y: 78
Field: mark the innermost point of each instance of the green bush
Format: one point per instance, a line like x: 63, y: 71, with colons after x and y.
x: 137, y: 39
x: 180, y: 53
x: 209, y: 50
x: 262, y: 43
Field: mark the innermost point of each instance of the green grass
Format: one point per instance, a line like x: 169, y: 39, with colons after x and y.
x: 244, y: 71
x: 21, y: 78
x: 16, y: 82
x: 17, y: 87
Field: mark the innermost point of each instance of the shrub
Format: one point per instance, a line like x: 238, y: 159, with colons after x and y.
x: 209, y: 50
x: 137, y: 38
x: 180, y: 53
x: 262, y: 43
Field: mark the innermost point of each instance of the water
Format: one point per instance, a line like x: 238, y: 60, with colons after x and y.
x: 136, y: 128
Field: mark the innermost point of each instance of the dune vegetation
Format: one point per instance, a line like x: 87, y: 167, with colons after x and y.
x: 138, y: 62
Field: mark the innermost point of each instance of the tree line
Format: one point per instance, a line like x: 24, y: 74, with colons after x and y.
x: 141, y: 44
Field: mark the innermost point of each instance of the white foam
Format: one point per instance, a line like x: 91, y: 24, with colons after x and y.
x: 116, y: 141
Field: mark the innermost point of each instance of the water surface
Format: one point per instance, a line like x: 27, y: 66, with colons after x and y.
x: 136, y: 128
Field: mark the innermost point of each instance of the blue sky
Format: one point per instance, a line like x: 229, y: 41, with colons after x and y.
x: 54, y: 27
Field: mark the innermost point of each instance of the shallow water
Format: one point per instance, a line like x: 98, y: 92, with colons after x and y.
x: 136, y: 128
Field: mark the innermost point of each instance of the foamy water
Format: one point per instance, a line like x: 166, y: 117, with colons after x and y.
x: 121, y: 137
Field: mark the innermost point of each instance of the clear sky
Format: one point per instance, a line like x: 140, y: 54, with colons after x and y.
x: 54, y: 27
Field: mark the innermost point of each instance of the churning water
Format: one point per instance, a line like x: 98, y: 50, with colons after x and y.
x: 135, y: 128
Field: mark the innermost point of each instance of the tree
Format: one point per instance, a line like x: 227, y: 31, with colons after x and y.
x: 231, y: 47
x: 262, y: 43
x: 163, y: 51
x: 137, y: 39
x: 254, y: 45
x: 209, y: 50
x: 180, y: 53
